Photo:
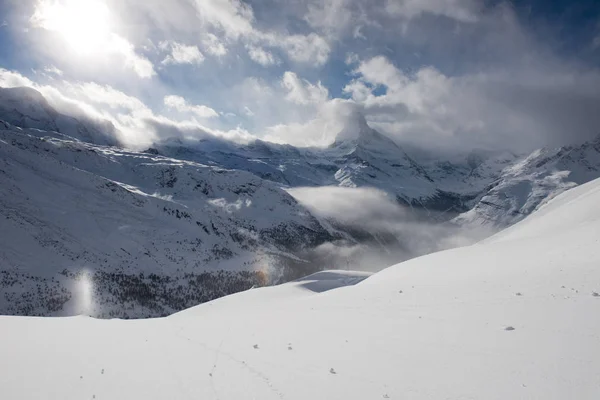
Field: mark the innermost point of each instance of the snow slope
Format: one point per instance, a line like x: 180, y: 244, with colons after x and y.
x: 27, y: 108
x: 528, y: 183
x: 67, y: 206
x: 360, y: 157
x: 514, y: 317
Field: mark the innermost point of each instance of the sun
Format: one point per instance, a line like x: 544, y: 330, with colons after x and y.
x: 84, y: 24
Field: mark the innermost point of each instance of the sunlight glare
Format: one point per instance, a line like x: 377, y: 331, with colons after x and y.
x: 84, y: 24
x: 85, y: 293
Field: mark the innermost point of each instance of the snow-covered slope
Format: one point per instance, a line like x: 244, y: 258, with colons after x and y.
x: 360, y: 157
x: 165, y: 229
x: 514, y: 317
x: 67, y: 206
x: 27, y: 108
x: 522, y: 187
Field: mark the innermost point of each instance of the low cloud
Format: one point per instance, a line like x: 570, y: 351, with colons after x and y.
x: 180, y: 104
x: 387, y: 232
x: 132, y: 123
x: 352, y: 206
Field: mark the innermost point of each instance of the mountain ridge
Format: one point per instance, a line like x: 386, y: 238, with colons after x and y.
x: 157, y: 229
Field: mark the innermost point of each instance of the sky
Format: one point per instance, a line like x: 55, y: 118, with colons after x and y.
x: 440, y: 76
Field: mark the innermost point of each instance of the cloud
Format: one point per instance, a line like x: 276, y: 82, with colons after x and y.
x: 180, y: 104
x: 389, y: 232
x: 303, y: 92
x: 94, y: 93
x: 515, y: 110
x: 312, y: 48
x: 13, y: 79
x: 213, y: 45
x: 319, y: 130
x: 596, y: 42
x: 135, y: 124
x: 139, y: 64
x: 53, y: 70
x: 332, y: 17
x: 237, y: 21
x: 181, y: 53
x: 234, y: 17
x: 261, y: 56
x: 365, y: 206
x: 460, y: 10
x: 248, y: 112
x: 444, y: 75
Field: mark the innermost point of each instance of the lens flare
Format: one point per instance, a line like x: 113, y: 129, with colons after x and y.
x: 85, y: 287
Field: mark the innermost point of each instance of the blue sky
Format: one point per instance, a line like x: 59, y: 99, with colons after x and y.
x: 444, y: 75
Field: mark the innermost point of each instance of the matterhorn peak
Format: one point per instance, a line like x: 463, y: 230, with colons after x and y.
x: 356, y: 133
x: 354, y: 127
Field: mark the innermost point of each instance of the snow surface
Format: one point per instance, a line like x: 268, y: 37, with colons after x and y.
x: 67, y: 205
x: 514, y: 317
x: 526, y: 185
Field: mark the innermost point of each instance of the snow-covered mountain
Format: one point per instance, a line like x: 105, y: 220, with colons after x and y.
x: 69, y: 206
x: 359, y: 157
x: 190, y: 220
x: 27, y: 108
x: 525, y: 185
x: 512, y: 317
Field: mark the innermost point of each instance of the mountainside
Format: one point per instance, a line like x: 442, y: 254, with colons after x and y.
x: 27, y: 108
x: 360, y: 157
x: 521, y: 188
x: 188, y: 221
x: 512, y: 317
x: 69, y: 206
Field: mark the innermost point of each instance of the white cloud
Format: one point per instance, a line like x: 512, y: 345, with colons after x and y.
x: 261, y: 56
x: 213, y: 45
x: 514, y: 110
x: 375, y: 211
x: 331, y: 16
x: 234, y: 17
x: 511, y: 89
x: 461, y: 10
x: 214, y: 25
x: 181, y: 53
x: 248, y: 112
x: 311, y: 49
x: 328, y: 119
x: 180, y: 104
x: 137, y: 126
x: 365, y: 206
x: 303, y: 92
x: 141, y: 65
x: 53, y: 70
x: 92, y: 92
x: 357, y: 34
x: 11, y: 79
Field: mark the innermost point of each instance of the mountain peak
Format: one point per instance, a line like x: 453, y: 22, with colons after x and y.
x: 357, y: 134
x: 25, y: 98
x: 355, y: 127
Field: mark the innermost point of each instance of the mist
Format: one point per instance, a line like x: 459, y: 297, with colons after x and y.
x: 378, y: 232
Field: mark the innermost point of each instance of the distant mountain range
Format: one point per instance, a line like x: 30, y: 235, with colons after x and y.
x: 187, y: 221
